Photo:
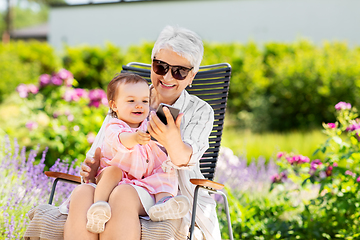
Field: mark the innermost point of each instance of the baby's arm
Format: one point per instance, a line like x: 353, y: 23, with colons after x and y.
x: 129, y: 140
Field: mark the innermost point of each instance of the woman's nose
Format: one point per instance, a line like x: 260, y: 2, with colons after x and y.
x: 168, y: 76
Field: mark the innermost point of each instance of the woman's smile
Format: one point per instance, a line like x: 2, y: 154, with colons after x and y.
x: 167, y: 85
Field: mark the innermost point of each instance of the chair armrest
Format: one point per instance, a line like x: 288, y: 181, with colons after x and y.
x: 63, y: 176
x: 207, y: 183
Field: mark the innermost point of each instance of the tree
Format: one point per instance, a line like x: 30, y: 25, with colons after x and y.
x: 9, y: 15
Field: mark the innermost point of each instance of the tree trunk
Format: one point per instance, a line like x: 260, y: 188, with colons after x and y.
x: 8, y: 23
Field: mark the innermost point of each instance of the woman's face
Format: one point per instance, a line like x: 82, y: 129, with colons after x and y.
x: 167, y: 86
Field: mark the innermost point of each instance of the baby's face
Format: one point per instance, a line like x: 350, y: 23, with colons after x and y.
x: 132, y: 103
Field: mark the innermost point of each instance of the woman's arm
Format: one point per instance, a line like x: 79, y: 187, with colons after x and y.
x: 195, y: 135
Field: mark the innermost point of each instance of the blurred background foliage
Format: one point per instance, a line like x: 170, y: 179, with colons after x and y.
x: 279, y: 88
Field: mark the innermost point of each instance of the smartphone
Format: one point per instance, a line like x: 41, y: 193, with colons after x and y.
x: 161, y: 115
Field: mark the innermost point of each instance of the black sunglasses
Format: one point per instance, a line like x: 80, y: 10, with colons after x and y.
x: 178, y: 72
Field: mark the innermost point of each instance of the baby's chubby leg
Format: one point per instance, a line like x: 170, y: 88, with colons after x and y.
x: 100, y: 212
x: 108, y: 180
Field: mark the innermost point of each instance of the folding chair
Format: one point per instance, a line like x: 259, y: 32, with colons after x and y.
x: 211, y: 84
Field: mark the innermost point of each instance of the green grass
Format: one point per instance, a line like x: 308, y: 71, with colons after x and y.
x: 254, y: 145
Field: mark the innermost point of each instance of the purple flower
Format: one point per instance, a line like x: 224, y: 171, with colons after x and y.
x: 331, y: 125
x: 56, y: 80
x: 22, y: 89
x: 44, y: 80
x: 342, y: 106
x: 353, y: 127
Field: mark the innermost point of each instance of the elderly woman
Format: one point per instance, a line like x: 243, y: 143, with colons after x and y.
x: 176, y: 58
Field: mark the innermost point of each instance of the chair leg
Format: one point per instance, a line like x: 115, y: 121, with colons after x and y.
x: 53, y: 190
x: 54, y: 187
x: 193, y: 215
x: 192, y: 226
x: 227, y: 213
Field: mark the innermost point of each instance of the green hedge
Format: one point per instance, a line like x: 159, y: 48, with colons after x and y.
x: 274, y: 87
x: 24, y: 62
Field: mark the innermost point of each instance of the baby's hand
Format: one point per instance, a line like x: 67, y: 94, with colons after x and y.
x: 142, y: 137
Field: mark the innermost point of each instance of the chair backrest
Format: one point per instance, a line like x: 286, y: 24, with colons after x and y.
x: 211, y: 84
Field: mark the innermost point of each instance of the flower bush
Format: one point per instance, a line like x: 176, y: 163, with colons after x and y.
x: 298, y: 197
x: 24, y: 186
x: 335, y: 210
x: 56, y: 114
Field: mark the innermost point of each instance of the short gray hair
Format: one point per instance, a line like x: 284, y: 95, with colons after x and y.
x: 184, y: 42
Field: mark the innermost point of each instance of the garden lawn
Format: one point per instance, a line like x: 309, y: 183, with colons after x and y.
x: 267, y: 145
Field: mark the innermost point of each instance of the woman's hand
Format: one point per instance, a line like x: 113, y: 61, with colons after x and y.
x: 170, y: 137
x: 142, y: 137
x: 90, y: 166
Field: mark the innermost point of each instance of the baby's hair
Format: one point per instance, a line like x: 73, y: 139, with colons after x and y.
x: 113, y: 85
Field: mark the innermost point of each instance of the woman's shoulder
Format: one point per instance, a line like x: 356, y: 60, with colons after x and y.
x: 198, y: 102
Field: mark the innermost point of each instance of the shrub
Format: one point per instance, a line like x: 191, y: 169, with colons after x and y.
x: 56, y: 114
x: 334, y: 212
x: 23, y: 62
x: 24, y: 186
x: 93, y: 67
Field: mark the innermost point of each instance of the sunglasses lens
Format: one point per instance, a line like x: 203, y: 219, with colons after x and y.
x: 160, y: 68
x: 179, y: 73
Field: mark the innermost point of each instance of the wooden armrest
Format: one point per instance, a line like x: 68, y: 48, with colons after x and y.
x: 207, y: 183
x: 63, y: 176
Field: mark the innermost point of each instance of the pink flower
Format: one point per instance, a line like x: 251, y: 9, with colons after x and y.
x: 90, y: 137
x: 65, y: 74
x: 278, y: 178
x: 297, y: 159
x: 314, y: 165
x: 358, y: 179
x: 342, y: 106
x: 350, y: 173
x: 328, y: 171
x: 97, y: 96
x: 31, y: 125
x: 70, y: 118
x: 81, y: 92
x: 331, y: 125
x: 280, y: 154
x: 56, y: 80
x: 44, y: 80
x: 32, y: 88
x: 22, y: 89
